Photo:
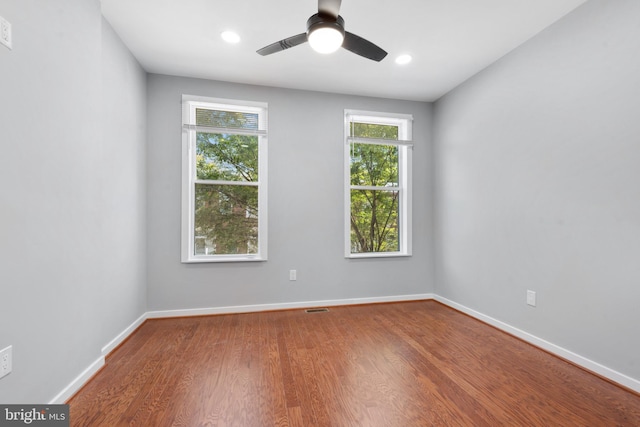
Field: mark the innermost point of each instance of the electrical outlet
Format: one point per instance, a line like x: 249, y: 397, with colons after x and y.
x: 531, y: 298
x: 293, y: 275
x: 5, y: 361
x: 5, y: 33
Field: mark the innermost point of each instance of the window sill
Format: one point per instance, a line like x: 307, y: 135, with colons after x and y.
x: 378, y: 255
x: 223, y: 258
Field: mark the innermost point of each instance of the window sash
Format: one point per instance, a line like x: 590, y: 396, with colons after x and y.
x: 221, y: 182
x: 378, y: 141
x: 230, y: 131
x: 375, y: 188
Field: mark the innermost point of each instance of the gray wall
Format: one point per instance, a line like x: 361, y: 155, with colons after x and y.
x: 72, y: 181
x: 305, y: 205
x: 535, y: 186
x: 538, y: 186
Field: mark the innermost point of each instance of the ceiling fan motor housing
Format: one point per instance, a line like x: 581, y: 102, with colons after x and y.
x: 321, y: 20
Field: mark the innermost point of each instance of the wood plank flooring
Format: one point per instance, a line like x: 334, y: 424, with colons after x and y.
x: 401, y: 364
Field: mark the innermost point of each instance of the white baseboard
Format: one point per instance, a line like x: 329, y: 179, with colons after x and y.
x: 581, y: 361
x: 123, y: 335
x: 77, y: 384
x: 283, y: 306
x: 86, y: 375
x: 590, y: 365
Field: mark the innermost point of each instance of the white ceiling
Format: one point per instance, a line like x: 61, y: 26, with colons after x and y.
x: 450, y: 40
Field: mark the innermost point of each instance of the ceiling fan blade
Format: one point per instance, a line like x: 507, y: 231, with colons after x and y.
x: 362, y: 47
x: 283, y: 44
x: 329, y: 7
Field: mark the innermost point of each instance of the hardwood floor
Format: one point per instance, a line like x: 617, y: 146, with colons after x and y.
x: 401, y: 364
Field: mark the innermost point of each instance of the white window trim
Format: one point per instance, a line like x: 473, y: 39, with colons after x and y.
x: 189, y: 129
x: 405, y: 145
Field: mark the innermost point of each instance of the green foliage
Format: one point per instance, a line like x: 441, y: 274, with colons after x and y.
x: 374, y: 221
x: 226, y: 216
x: 226, y: 220
x: 368, y: 130
x: 374, y: 212
x: 226, y: 157
x: 374, y: 165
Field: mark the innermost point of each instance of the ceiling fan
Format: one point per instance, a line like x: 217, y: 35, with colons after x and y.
x: 326, y: 34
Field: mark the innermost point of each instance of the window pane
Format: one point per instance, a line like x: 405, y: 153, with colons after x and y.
x: 226, y: 119
x: 226, y: 219
x: 374, y: 165
x: 374, y: 221
x: 226, y: 157
x: 368, y: 130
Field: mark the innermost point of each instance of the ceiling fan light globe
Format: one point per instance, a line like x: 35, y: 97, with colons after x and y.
x: 326, y: 39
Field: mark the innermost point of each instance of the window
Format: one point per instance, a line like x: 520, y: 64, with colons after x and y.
x: 377, y: 184
x: 224, y: 168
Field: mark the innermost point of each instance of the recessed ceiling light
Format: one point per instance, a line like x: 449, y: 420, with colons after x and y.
x: 230, y: 37
x: 403, y: 59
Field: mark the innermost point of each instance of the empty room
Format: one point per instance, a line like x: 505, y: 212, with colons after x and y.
x: 327, y: 213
